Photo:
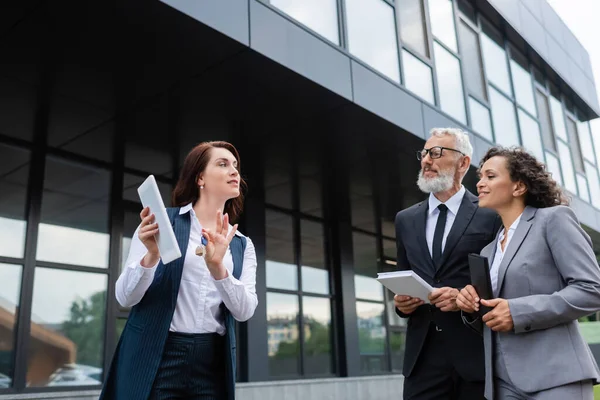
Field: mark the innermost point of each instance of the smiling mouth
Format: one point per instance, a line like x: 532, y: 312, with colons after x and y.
x: 233, y: 182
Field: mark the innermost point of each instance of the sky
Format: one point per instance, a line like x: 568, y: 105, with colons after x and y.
x: 581, y: 16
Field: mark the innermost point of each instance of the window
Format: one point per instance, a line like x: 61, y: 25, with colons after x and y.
x: 503, y: 116
x: 574, y: 144
x: 593, y: 183
x: 554, y: 167
x: 530, y: 134
x: 480, y: 119
x: 496, y: 67
x: 450, y: 86
x: 472, y: 64
x: 583, y: 187
x: 558, y: 119
x: 417, y: 77
x: 10, y: 287
x: 585, y: 139
x: 319, y: 15
x: 566, y: 164
x: 412, y: 26
x: 441, y: 15
x: 372, y: 35
x: 67, y: 328
x: 278, y: 172
x: 545, y: 120
x: 14, y: 175
x: 74, y: 223
x: 523, y: 87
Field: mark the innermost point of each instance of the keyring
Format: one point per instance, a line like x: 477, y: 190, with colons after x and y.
x: 201, y: 250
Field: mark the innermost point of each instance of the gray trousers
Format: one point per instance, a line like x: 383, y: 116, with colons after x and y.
x: 505, y: 390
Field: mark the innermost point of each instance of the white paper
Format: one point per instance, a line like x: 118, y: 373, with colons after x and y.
x: 406, y: 283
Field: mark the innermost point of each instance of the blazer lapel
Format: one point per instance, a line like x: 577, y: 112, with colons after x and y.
x: 467, y: 209
x: 515, y: 243
x: 420, y: 226
x: 181, y: 227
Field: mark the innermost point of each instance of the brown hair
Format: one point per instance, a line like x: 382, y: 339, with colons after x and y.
x: 542, y: 190
x: 186, y: 191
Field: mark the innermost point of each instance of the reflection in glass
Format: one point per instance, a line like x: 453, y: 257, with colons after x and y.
x: 412, y: 26
x: 545, y: 120
x: 371, y: 336
x: 471, y: 56
x: 530, y: 134
x: 10, y: 291
x: 14, y: 173
x: 523, y: 87
x: 119, y: 326
x: 574, y: 143
x: 503, y: 116
x: 417, y: 77
x: 442, y: 22
x: 389, y: 251
x: 361, y: 197
x: 368, y: 288
x: 132, y: 182
x: 450, y: 86
x: 364, y: 248
x: 594, y: 183
x: 585, y: 139
x: 283, y: 334
x: 566, y: 163
x: 319, y: 15
x: 318, y: 357
x: 282, y: 272
x: 554, y: 167
x: 315, y: 276
x: 496, y: 68
x: 480, y: 119
x: 310, y: 173
x: 558, y: 119
x: 372, y: 35
x: 397, y: 347
x: 67, y: 328
x: 582, y: 186
x: 74, y: 223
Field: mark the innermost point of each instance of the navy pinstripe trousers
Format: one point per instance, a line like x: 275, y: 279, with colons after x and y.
x: 192, y: 367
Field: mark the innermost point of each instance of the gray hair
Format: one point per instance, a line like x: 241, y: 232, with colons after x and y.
x: 463, y: 144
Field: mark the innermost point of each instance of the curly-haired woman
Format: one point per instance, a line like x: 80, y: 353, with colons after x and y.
x: 544, y: 276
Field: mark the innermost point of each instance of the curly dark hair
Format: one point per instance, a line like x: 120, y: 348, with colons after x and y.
x: 542, y: 190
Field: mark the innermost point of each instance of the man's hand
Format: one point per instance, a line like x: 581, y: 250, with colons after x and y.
x: 468, y: 299
x: 444, y: 298
x: 407, y: 304
x: 499, y: 319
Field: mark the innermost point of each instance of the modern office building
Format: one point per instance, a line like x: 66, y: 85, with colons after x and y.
x: 327, y: 102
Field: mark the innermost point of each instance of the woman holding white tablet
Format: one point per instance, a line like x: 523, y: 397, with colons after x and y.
x: 179, y: 340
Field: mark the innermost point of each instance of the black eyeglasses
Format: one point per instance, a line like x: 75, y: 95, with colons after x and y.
x: 435, y: 152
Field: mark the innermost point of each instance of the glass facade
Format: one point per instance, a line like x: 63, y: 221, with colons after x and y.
x: 324, y: 189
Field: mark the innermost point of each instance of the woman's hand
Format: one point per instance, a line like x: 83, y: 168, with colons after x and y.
x: 468, y: 299
x: 148, y: 228
x: 500, y: 318
x: 218, y: 243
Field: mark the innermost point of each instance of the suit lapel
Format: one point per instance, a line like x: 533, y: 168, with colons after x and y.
x: 467, y: 209
x: 515, y: 243
x: 420, y: 226
x: 181, y: 227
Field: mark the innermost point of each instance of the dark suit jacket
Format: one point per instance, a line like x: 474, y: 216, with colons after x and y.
x: 473, y: 228
x: 140, y: 348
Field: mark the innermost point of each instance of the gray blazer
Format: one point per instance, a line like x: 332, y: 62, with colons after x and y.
x: 550, y: 277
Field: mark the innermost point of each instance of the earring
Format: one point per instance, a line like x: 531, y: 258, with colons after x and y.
x: 201, y: 186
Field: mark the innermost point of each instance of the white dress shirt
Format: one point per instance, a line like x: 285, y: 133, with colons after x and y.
x: 499, y: 255
x: 200, y: 295
x: 453, y: 204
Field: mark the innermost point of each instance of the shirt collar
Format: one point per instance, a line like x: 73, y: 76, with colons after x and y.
x: 453, y: 203
x: 187, y: 208
x: 512, y: 228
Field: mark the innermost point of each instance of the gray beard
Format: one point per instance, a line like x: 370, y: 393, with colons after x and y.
x: 440, y: 183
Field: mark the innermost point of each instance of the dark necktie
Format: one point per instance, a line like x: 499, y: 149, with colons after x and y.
x: 438, y: 235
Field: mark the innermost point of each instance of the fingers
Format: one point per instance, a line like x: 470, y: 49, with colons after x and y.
x: 219, y: 222
x: 464, y: 305
x: 474, y: 297
x: 491, y: 302
x: 232, y: 233
x: 225, y: 227
x: 145, y: 212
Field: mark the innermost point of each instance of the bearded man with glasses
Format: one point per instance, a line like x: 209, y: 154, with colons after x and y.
x: 443, y: 359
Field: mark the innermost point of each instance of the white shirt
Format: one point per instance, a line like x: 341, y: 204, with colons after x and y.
x: 495, y: 268
x: 200, y: 295
x: 453, y: 204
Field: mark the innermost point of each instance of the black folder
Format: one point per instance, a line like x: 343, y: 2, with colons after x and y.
x: 481, y: 280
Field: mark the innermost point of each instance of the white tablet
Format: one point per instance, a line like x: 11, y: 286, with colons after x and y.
x: 165, y: 238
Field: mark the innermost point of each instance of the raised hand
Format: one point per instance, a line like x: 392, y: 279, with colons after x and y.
x: 217, y: 245
x: 146, y: 233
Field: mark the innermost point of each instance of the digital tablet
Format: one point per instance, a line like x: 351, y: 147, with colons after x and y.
x: 479, y: 268
x: 165, y: 238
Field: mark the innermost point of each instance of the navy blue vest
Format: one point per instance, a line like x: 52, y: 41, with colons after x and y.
x: 139, y: 351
